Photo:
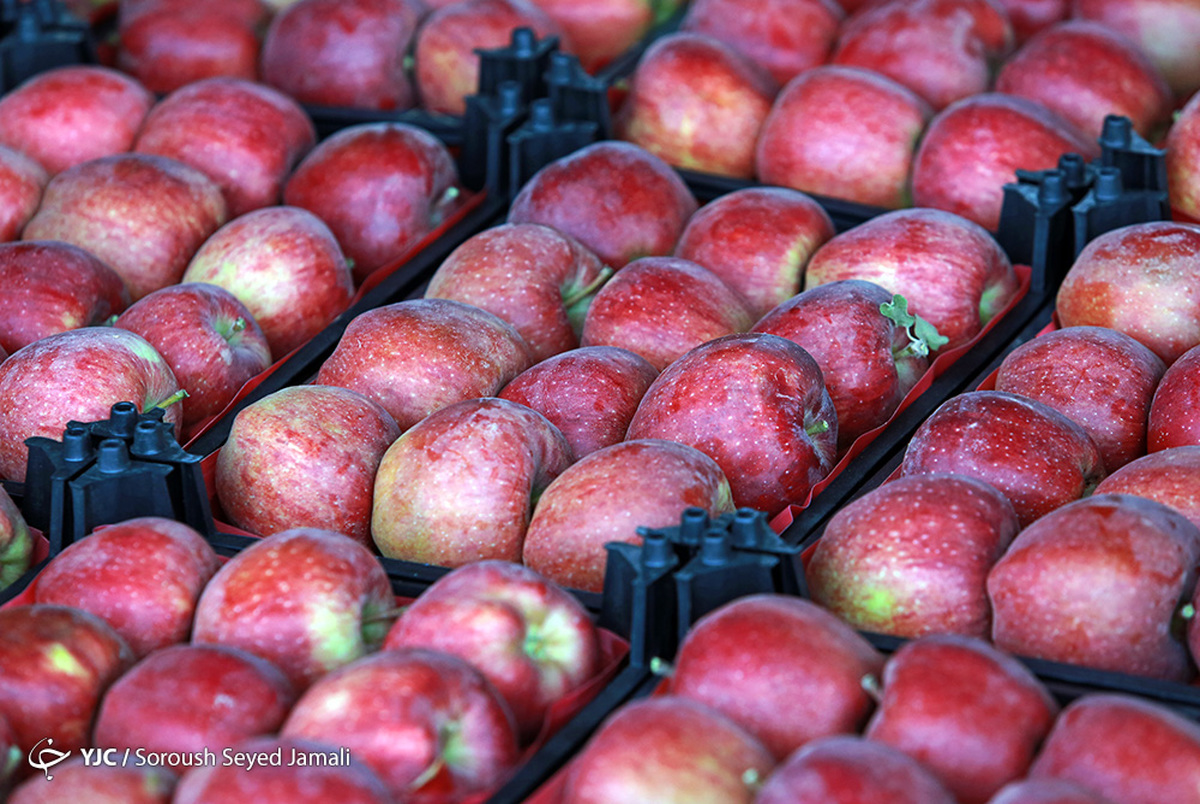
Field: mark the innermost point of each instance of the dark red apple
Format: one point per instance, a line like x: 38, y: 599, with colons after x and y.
x: 1170, y: 476
x: 1174, y: 419
x: 75, y: 780
x: 21, y: 183
x: 1166, y: 30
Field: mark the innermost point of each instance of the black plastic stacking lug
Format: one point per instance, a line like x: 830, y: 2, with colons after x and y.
x: 525, y: 61
x: 639, y: 596
x: 1037, y: 227
x: 576, y: 96
x: 1110, y: 205
x: 488, y: 122
x: 1142, y: 166
x: 750, y: 532
x: 154, y: 442
x: 41, y: 35
x: 541, y: 140
x: 51, y: 466
x: 718, y: 574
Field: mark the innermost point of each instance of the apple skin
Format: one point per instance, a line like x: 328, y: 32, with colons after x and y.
x: 1182, y: 144
x: 251, y: 13
x: 1166, y: 30
x: 537, y: 279
x: 16, y: 554
x: 527, y: 635
x: 601, y: 30
x: 77, y: 375
x: 381, y: 188
x: 459, y: 485
x: 22, y: 180
x: 952, y: 272
x: 426, y: 722
x: 1139, y: 279
x: 972, y: 714
x: 51, y: 286
x: 142, y: 576
x: 262, y: 134
x: 1034, y: 455
x: 912, y: 556
x: 667, y: 749
x: 698, y: 104
x: 1098, y: 377
x: 758, y: 241
x: 75, y: 780
x: 754, y: 403
x: 174, y: 45
x: 71, y: 114
x: 1170, y: 476
x: 606, y: 496
x: 1174, y: 420
x: 417, y: 356
x: 1097, y: 583
x: 143, y: 215
x: 662, y: 307
x: 844, y: 132
x: 1046, y: 791
x: 285, y: 265
x: 303, y: 599
x: 973, y: 147
x: 616, y: 198
x: 304, y: 456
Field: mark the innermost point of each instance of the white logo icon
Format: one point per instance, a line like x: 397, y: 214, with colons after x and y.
x: 43, y: 763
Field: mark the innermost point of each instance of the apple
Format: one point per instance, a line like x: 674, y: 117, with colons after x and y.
x: 844, y: 132
x: 1030, y: 16
x: 972, y: 714
x: 757, y: 405
x: 249, y: 12
x: 77, y: 375
x: 1100, y: 378
x: 304, y: 456
x: 306, y: 599
x: 697, y: 103
x: 285, y: 265
x: 974, y: 146
x: 537, y: 279
x: 1046, y: 791
x: 616, y: 198
x: 950, y: 270
x: 912, y: 557
x: 607, y: 496
x: 381, y: 188
x: 1182, y: 144
x: 342, y: 52
x: 459, y: 485
x: 589, y: 393
x: 526, y: 634
x: 1141, y: 279
x: 426, y: 722
x: 758, y: 240
x: 21, y: 183
x: 1166, y: 30
x: 1173, y: 419
x: 72, y: 114
x: 1097, y: 583
x: 667, y: 749
x: 601, y: 30
x: 143, y: 215
x: 10, y: 757
x: 52, y: 286
x: 75, y: 780
x: 16, y: 554
x: 871, y: 351
x: 262, y: 134
x: 1170, y: 476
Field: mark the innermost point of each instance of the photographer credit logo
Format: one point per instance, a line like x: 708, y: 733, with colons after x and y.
x: 44, y: 759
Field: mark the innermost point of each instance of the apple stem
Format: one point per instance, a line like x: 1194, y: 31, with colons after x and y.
x: 592, y: 287
x: 178, y: 396
x: 661, y: 667
x: 1188, y: 612
x: 239, y: 325
x: 871, y: 686
x: 817, y: 427
x: 427, y: 775
x: 752, y: 778
x: 111, y: 320
x: 386, y: 615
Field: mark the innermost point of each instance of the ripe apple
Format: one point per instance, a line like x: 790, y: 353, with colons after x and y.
x: 459, y: 485
x: 51, y: 286
x: 143, y: 215
x: 417, y: 356
x: 285, y: 265
x: 1174, y: 419
x: 262, y: 133
x: 1097, y: 583
x: 1034, y: 455
x: 601, y: 30
x: 142, y: 576
x: 16, y: 556
x: 75, y: 780
x: 590, y: 393
x: 306, y: 599
x: 844, y: 132
x: 249, y: 12
x: 1046, y: 791
x: 1166, y: 30
x: 426, y: 722
x: 611, y: 493
x: 754, y: 403
x: 1030, y: 16
x: 619, y: 200
x: 74, y: 113
x: 21, y: 183
x: 1182, y: 143
x: 1170, y: 476
x: 758, y: 240
x: 911, y: 557
x: 77, y: 375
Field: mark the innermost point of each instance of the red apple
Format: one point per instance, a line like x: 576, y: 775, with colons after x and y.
x: 417, y: 356
x: 619, y: 200
x: 1046, y: 791
x: 754, y: 403
x: 1030, y: 16
x: 16, y: 556
x: 610, y: 494
x: 1182, y: 144
x: 844, y: 132
x: 21, y: 183
x: 1170, y: 476
x: 285, y: 265
x: 245, y: 136
x: 71, y: 114
x: 758, y: 240
x: 143, y: 215
x: 590, y: 393
x: 1166, y: 30
x: 52, y: 286
x: 75, y: 780
x: 1174, y: 419
x: 1097, y: 583
x: 77, y: 375
x: 459, y: 485
x: 304, y: 457
x: 142, y: 576
x: 305, y: 599
x: 601, y: 30
x: 1034, y: 455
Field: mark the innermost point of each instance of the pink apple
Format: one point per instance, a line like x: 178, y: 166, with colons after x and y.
x: 1166, y: 30
x: 1170, y: 476
x: 75, y: 780
x: 21, y: 183
x: 16, y: 552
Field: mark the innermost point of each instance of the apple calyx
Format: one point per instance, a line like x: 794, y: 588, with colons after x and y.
x: 230, y: 329
x: 817, y: 427
x: 923, y: 337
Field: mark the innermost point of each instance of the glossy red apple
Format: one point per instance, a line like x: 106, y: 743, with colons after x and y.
x: 16, y: 555
x: 601, y: 30
x: 1182, y: 143
x: 1166, y: 30
x: 21, y: 182
x: 76, y: 780
x: 1174, y: 420
x: 1170, y: 476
